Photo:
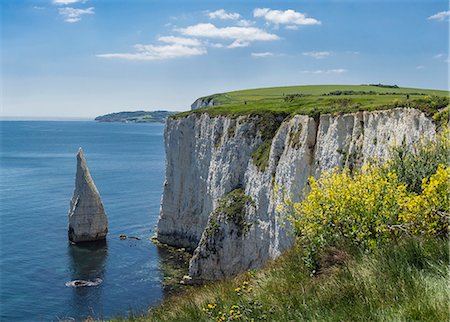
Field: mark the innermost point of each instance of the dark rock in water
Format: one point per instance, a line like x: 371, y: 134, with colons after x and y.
x: 83, y: 283
x: 87, y: 217
x: 122, y: 237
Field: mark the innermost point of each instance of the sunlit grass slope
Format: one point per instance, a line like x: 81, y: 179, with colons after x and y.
x: 317, y: 99
x: 406, y: 282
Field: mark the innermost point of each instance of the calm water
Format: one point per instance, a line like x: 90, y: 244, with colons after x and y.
x: 37, y: 180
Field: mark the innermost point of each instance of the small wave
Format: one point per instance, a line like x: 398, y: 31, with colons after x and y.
x: 83, y: 283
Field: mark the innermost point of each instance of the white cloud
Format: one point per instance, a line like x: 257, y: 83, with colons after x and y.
x: 287, y: 17
x: 292, y: 27
x: 74, y: 15
x: 329, y: 71
x: 420, y: 67
x: 336, y: 71
x: 180, y: 41
x: 317, y: 54
x: 66, y: 2
x: 223, y: 15
x: 151, y: 52
x: 241, y: 36
x: 438, y: 56
x: 245, y: 23
x: 239, y: 44
x: 217, y: 45
x: 440, y: 16
x: 262, y: 55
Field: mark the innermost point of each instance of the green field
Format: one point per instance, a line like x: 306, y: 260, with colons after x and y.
x: 317, y: 99
x: 273, y: 92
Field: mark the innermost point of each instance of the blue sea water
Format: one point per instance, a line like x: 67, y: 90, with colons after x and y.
x: 37, y: 180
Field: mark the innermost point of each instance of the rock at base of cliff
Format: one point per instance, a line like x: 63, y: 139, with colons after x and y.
x: 228, y: 244
x: 87, y: 216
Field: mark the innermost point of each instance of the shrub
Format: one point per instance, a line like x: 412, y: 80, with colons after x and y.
x: 368, y: 208
x: 441, y: 118
x: 428, y: 213
x: 413, y: 165
x: 232, y: 208
x: 354, y: 210
x: 267, y: 124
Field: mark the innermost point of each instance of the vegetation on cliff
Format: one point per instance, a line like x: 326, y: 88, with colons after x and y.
x: 232, y: 208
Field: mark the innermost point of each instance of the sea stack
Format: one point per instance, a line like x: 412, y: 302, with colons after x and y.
x: 87, y: 217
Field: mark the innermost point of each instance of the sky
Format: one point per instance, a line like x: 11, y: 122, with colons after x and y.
x: 83, y: 58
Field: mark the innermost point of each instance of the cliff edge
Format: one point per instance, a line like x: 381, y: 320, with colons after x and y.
x: 225, y: 169
x: 210, y: 158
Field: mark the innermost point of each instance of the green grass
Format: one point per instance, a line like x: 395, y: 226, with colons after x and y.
x: 404, y: 282
x: 313, y: 100
x: 261, y: 93
x: 232, y: 208
x: 270, y: 106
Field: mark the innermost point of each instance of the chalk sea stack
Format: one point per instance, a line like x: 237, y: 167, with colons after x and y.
x: 87, y: 217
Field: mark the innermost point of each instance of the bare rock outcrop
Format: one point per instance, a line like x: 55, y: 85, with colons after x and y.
x: 87, y: 217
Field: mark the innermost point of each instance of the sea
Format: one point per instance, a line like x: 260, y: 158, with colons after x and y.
x: 38, y: 163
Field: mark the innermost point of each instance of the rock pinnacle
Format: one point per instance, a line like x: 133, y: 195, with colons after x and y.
x: 87, y: 217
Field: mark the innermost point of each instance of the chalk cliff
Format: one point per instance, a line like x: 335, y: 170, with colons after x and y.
x: 87, y: 216
x: 202, y: 102
x: 211, y: 167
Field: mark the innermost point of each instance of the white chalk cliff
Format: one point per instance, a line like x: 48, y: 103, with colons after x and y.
x: 87, y: 216
x: 209, y: 160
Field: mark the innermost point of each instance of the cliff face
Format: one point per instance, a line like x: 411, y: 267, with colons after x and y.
x: 203, y: 102
x: 220, y: 204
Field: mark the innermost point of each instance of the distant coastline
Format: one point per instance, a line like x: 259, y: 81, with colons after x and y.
x: 136, y: 117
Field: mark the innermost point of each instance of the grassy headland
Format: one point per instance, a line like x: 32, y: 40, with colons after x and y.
x: 318, y: 99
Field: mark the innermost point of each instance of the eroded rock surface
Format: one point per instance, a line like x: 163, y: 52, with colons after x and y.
x: 87, y: 217
x: 209, y: 157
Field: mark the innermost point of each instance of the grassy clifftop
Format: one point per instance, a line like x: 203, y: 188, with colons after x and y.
x: 318, y: 99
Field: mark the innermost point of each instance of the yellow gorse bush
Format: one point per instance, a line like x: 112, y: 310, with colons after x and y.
x: 428, y: 213
x: 367, y: 208
x: 361, y: 207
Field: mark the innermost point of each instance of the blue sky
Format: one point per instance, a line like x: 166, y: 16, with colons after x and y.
x: 82, y: 58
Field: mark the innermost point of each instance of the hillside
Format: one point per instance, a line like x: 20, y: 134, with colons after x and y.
x: 136, y: 117
x: 405, y: 282
x: 319, y: 99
